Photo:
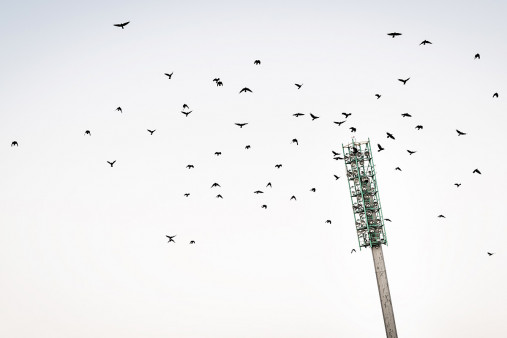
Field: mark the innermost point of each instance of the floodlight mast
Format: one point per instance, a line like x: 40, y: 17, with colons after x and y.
x: 369, y: 219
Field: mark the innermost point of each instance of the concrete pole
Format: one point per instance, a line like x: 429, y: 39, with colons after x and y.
x: 383, y: 290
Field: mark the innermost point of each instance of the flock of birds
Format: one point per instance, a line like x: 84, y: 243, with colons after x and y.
x: 186, y: 111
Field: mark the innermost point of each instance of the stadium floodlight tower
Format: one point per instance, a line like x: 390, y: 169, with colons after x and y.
x: 369, y: 219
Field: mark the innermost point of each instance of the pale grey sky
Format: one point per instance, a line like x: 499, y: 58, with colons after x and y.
x: 82, y: 245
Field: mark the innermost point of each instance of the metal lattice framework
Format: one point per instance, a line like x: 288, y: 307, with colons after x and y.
x: 364, y: 194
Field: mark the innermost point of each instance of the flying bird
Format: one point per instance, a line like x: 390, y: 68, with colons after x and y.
x: 186, y: 194
x: 397, y: 168
x: 313, y: 116
x: 298, y: 85
x: 328, y: 221
x: 293, y: 198
x: 441, y: 216
x: 298, y: 114
x: 457, y: 185
x: 241, y: 124
x: 394, y: 34
x: 337, y: 158
x: 495, y: 95
x: 215, y: 185
x: 490, y: 253
x: 278, y: 166
x: 339, y: 122
x: 218, y: 153
x: 122, y: 24
x: 192, y: 242
x: 119, y: 109
x: 352, y: 129
x: 111, y: 163
x: 389, y: 135
x: 387, y: 219
x: 425, y: 42
x: 216, y: 79
x: 476, y: 171
x: 294, y: 140
x: 406, y: 115
x: 247, y: 146
x: 258, y: 192
x: 186, y: 113
x: 244, y: 90
x: 380, y: 148
x: 169, y: 75
x: 220, y: 83
x: 411, y: 152
x: 378, y: 96
x: 190, y: 166
x: 346, y: 114
x: 418, y: 127
x: 220, y: 196
x: 257, y: 62
x: 460, y: 132
x: 269, y: 185
x: 87, y: 132
x: 477, y: 56
x: 353, y: 250
x: 170, y: 238
x: 336, y: 177
x: 264, y: 206
x: 312, y: 189
x: 185, y: 106
x: 14, y: 143
x: 404, y: 81
x: 335, y: 153
x: 151, y: 131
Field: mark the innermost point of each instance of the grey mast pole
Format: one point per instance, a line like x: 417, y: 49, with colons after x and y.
x: 383, y: 291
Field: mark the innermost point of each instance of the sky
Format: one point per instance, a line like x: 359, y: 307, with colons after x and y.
x: 83, y: 250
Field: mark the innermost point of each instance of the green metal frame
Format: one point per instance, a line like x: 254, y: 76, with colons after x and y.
x: 363, y: 187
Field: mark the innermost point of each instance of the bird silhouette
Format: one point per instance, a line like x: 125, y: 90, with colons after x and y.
x: 241, y: 125
x: 406, y: 115
x: 14, y: 143
x: 298, y: 85
x: 378, y: 96
x: 346, y: 114
x: 339, y: 122
x: 293, y: 198
x: 460, y: 132
x: 121, y: 24
x: 387, y: 220
x: 404, y: 81
x: 477, y: 56
x: 380, y: 148
x: 151, y: 131
x: 441, y: 216
x: 397, y: 168
x: 215, y: 185
x: 247, y: 146
x: 170, y: 238
x: 219, y: 196
x: 425, y: 42
x: 190, y: 166
x: 490, y: 253
x: 352, y: 129
x: 457, y: 185
x: 244, y: 90
x: 353, y: 250
x: 313, y: 190
x: 278, y: 166
x: 335, y: 153
x: 336, y: 177
x: 119, y: 109
x: 257, y: 62
x: 169, y: 75
x: 218, y: 153
x: 216, y: 79
x: 495, y: 95
x: 220, y: 83
x: 394, y: 34
x: 264, y: 206
x: 476, y: 171
x: 328, y: 221
x: 337, y: 158
x: 185, y: 106
x: 111, y: 163
x: 313, y: 116
x: 186, y: 113
x: 87, y: 132
x: 295, y: 141
x: 269, y: 185
x: 418, y: 127
x: 186, y: 194
x: 258, y: 192
x: 298, y: 114
x: 389, y: 135
x: 192, y: 242
x: 411, y: 152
